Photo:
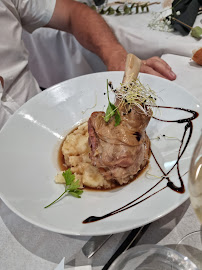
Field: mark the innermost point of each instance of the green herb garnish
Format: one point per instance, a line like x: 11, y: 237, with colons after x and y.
x: 71, y: 186
x: 112, y: 110
x: 123, y: 8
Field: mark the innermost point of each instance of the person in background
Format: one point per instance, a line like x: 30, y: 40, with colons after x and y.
x: 66, y: 15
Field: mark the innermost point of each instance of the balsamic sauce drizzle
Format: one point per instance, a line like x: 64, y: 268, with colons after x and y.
x: 181, y: 189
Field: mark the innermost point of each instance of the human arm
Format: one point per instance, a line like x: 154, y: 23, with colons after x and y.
x: 94, y: 34
x: 90, y: 29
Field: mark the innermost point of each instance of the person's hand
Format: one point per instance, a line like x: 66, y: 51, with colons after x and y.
x: 158, y: 67
x: 154, y: 65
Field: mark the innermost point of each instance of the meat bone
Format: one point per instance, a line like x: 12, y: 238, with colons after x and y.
x: 132, y: 68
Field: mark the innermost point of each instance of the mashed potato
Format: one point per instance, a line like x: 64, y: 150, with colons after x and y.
x: 76, y: 150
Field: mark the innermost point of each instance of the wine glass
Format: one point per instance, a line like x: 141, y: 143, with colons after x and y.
x: 195, y: 180
x: 191, y: 244
x: 150, y: 257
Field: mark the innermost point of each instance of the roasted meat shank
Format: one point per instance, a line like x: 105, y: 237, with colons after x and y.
x: 120, y: 152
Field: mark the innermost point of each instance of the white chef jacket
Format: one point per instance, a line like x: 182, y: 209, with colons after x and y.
x: 19, y: 84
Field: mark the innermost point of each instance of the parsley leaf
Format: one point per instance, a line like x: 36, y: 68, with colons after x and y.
x: 76, y: 193
x: 112, y: 110
x: 68, y: 176
x: 74, y: 186
x: 71, y: 186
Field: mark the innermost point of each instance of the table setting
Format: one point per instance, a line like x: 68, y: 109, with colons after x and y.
x: 149, y: 222
x: 33, y: 237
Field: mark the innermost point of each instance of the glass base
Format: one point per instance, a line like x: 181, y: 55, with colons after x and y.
x: 191, y: 247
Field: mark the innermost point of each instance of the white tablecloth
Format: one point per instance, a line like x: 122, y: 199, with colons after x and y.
x: 188, y: 73
x: 135, y: 35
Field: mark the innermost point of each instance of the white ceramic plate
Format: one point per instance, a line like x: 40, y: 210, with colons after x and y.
x: 29, y: 144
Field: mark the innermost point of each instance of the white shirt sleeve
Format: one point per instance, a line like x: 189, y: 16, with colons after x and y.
x: 4, y: 114
x: 34, y: 13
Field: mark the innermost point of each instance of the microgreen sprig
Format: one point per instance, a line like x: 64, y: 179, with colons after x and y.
x: 71, y: 186
x: 112, y: 110
x: 135, y: 93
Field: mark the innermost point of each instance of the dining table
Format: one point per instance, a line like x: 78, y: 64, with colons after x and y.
x: 27, y: 246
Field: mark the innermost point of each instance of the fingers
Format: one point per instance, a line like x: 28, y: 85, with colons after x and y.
x: 156, y: 59
x: 159, y: 67
x: 149, y: 70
